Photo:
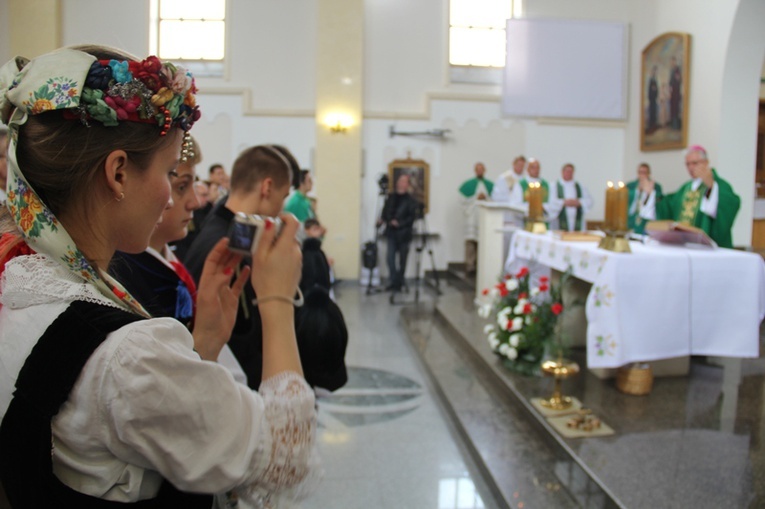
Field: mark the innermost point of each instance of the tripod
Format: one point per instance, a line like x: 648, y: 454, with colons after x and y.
x: 372, y: 265
x: 422, y: 245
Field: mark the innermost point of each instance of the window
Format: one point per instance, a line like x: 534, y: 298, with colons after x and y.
x: 190, y: 32
x: 477, y: 38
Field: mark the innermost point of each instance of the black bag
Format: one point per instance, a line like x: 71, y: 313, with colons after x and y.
x: 369, y: 255
x: 322, y: 338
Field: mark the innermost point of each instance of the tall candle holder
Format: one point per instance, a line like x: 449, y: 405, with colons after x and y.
x: 616, y: 240
x: 617, y: 233
x: 535, y: 221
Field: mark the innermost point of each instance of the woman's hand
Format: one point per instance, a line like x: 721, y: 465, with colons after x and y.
x: 276, y: 268
x: 277, y: 262
x: 217, y: 300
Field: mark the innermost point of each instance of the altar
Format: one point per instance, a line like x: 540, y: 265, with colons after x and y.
x: 659, y: 301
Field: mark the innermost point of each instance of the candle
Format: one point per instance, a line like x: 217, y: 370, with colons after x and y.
x: 610, y: 204
x: 535, y: 201
x: 622, y: 197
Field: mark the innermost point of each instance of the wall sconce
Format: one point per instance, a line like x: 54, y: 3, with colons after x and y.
x: 338, y: 122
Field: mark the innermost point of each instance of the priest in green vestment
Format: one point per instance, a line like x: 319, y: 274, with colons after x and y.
x: 644, y: 194
x: 707, y: 201
x: 576, y: 201
x: 473, y: 190
x: 519, y: 196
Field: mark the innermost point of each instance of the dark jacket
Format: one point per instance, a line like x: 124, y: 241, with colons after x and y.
x: 404, y: 209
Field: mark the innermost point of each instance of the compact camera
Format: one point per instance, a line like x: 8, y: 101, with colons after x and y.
x: 245, y: 230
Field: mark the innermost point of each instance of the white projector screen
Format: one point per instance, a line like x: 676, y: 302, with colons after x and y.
x: 565, y: 68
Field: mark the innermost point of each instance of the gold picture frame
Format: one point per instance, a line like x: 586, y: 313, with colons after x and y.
x: 419, y: 174
x: 664, y: 92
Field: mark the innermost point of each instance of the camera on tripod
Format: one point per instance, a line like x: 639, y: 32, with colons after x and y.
x: 384, y: 184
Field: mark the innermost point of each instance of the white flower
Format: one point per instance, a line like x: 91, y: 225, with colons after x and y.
x: 488, y: 328
x: 511, y: 353
x: 493, y: 292
x: 534, y: 292
x: 503, y: 349
x: 503, y: 318
x: 518, y: 309
x: 517, y: 323
x: 528, y: 320
x: 515, y: 339
x: 493, y: 341
x: 511, y: 284
x: 484, y: 311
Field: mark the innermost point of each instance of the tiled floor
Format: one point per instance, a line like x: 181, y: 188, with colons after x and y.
x: 418, y: 426
x: 384, y: 439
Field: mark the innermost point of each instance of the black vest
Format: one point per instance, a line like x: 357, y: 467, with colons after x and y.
x: 44, y: 384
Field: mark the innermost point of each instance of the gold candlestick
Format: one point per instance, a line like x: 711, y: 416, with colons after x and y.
x: 535, y: 221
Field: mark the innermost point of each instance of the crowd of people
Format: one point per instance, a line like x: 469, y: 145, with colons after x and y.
x: 141, y: 360
x: 706, y: 201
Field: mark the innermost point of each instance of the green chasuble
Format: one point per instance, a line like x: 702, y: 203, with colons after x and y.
x: 563, y: 217
x: 300, y: 206
x: 635, y: 222
x: 525, y: 187
x: 683, y: 206
x: 468, y: 189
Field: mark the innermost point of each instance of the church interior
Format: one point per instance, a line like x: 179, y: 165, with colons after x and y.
x: 430, y: 417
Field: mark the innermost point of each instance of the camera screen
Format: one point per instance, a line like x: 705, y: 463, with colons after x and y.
x: 241, y: 236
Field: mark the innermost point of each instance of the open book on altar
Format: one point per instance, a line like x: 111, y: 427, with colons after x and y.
x: 672, y: 232
x: 578, y: 236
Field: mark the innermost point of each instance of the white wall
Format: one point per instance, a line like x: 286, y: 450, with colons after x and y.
x: 108, y: 22
x: 269, y: 94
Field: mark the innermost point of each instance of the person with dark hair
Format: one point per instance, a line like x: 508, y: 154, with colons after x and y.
x: 299, y: 204
x: 100, y: 402
x: 319, y: 324
x: 218, y: 175
x: 260, y: 180
x: 398, y: 215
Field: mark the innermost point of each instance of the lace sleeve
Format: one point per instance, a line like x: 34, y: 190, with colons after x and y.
x: 293, y: 468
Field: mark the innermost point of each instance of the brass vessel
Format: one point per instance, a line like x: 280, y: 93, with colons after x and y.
x: 560, y: 369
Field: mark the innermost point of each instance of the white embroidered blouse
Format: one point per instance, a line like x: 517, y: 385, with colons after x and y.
x: 146, y: 406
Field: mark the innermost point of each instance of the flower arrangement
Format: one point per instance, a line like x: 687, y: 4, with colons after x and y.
x: 526, y: 318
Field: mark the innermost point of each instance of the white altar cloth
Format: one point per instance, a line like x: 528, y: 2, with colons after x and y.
x: 659, y: 301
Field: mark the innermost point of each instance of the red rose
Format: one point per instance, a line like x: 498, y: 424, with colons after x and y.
x: 523, y: 272
x: 527, y: 309
x: 152, y: 65
x: 557, y: 308
x: 543, y: 287
x: 503, y: 291
x: 485, y: 291
x: 150, y: 80
x: 522, y: 295
x: 544, y: 279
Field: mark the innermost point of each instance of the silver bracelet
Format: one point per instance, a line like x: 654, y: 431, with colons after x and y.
x: 297, y: 302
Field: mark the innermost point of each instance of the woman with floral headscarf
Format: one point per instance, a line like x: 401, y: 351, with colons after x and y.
x: 100, y: 403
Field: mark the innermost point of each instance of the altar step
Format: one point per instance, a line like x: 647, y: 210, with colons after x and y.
x: 516, y: 453
x: 687, y: 444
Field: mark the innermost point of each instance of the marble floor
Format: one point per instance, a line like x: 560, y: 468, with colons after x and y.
x: 429, y: 419
x: 384, y: 438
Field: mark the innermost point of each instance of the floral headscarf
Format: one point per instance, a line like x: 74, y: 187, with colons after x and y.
x: 87, y: 90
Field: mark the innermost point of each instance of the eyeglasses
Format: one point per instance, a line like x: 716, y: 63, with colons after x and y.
x: 694, y: 163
